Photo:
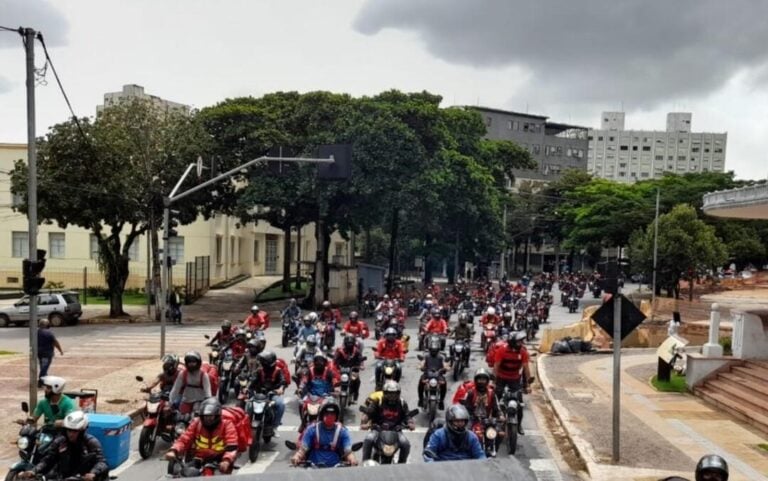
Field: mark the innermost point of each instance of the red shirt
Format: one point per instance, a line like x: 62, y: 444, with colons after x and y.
x: 358, y: 328
x: 384, y: 350
x: 258, y: 321
x: 490, y: 319
x: 208, y: 445
x: 508, y: 364
x: 437, y: 326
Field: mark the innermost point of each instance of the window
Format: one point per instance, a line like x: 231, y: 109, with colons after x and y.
x: 706, y: 150
x: 659, y: 157
x: 643, y: 174
x: 255, y: 251
x: 536, y: 148
x: 509, y: 124
x: 646, y: 148
x: 16, y: 200
x: 680, y: 157
x: 515, y: 125
x: 94, y: 243
x: 525, y: 127
x: 590, y: 138
x: 20, y: 244
x: 220, y: 248
x: 670, y: 157
x: 339, y: 246
x: 232, y: 250
x: 611, y: 139
x: 133, y: 252
x: 719, y: 150
x: 600, y: 139
x: 695, y: 149
x: 622, y: 174
x: 56, y: 245
x: 634, y: 148
x: 176, y: 249
x: 623, y: 147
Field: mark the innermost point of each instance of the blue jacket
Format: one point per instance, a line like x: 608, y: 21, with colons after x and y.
x: 440, y: 444
x: 323, y: 453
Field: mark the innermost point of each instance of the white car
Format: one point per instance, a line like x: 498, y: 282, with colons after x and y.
x: 58, y: 307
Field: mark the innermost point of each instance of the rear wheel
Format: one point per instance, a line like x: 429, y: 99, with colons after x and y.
x: 431, y: 411
x: 511, y: 438
x: 457, y: 370
x: 5, y: 322
x: 146, y: 442
x: 12, y: 475
x: 255, y: 447
x: 285, y: 339
x: 56, y: 320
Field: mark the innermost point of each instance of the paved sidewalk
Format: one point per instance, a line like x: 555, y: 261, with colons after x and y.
x: 662, y: 434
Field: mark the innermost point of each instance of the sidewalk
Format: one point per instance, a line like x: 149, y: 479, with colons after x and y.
x: 662, y: 434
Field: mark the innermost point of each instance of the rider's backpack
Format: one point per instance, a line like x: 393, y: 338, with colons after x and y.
x: 213, y: 377
x: 461, y: 392
x: 242, y: 424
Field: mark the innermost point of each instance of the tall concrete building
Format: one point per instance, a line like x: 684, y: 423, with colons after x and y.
x: 554, y: 146
x: 133, y: 91
x: 631, y: 155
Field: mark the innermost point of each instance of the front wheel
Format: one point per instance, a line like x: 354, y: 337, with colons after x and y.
x: 511, y: 438
x: 255, y: 447
x: 146, y: 442
x: 285, y: 339
x: 12, y: 475
x: 224, y: 391
x: 457, y: 370
x: 432, y: 411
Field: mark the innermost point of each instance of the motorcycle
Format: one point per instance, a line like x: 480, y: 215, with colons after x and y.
x: 348, y: 377
x: 369, y: 306
x: 225, y: 365
x: 531, y: 326
x: 327, y: 333
x: 488, y: 336
x: 390, y: 369
x: 387, y: 444
x: 512, y: 402
x: 33, y: 443
x: 459, y: 357
x: 290, y: 331
x: 194, y: 468
x: 431, y: 392
x: 310, y: 465
x: 487, y: 431
x: 309, y: 409
x: 573, y: 303
x: 158, y: 421
x: 261, y: 410
x: 379, y: 326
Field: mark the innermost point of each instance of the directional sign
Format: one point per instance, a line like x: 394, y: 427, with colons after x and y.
x: 631, y: 317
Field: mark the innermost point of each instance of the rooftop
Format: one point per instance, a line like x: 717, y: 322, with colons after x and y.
x: 749, y: 202
x: 506, y: 112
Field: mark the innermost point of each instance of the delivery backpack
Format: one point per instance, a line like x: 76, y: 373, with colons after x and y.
x: 242, y: 424
x: 213, y: 377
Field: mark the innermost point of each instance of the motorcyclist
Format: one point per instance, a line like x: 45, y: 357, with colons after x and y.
x: 712, y: 468
x: 307, y: 329
x: 321, y: 379
x: 293, y: 311
x: 256, y: 320
x: 480, y: 399
x: 463, y: 331
x: 454, y: 441
x: 436, y: 324
x: 389, y: 348
x: 307, y: 352
x: 167, y: 378
x: 55, y: 406
x: 356, y: 327
x: 191, y: 387
x: 426, y: 310
x: 239, y: 344
x: 224, y: 336
x: 490, y: 317
x: 349, y: 355
x: 433, y: 361
x: 209, y: 437
x: 269, y: 377
x: 384, y: 305
x: 74, y: 453
x: 329, y: 315
x: 510, y: 364
x: 387, y: 412
x: 326, y: 442
x: 505, y: 327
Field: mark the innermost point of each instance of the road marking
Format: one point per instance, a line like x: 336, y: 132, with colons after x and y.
x: 353, y: 429
x: 545, y: 469
x: 260, y: 465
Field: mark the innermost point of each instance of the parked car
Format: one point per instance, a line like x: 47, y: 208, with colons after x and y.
x: 58, y: 307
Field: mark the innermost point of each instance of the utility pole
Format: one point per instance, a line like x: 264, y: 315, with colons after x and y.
x: 29, y: 46
x: 503, y: 260
x: 655, y: 254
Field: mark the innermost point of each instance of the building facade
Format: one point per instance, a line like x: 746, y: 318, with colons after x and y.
x: 631, y: 155
x: 554, y: 146
x: 133, y: 91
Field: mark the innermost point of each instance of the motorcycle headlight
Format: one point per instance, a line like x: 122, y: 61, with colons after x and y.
x: 345, y: 378
x: 433, y: 382
x: 152, y: 407
x: 512, y: 405
x: 227, y: 364
x: 458, y: 347
x: 258, y: 408
x: 491, y: 433
x: 23, y: 443
x: 312, y: 409
x: 243, y: 382
x: 389, y: 370
x: 389, y: 450
x: 214, y: 354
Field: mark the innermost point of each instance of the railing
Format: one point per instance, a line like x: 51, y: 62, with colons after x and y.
x: 730, y: 198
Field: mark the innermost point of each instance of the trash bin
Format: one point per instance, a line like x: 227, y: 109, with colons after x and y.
x: 85, y: 399
x: 114, y: 433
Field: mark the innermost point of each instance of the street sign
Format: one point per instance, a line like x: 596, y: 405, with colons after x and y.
x: 341, y: 168
x: 631, y: 317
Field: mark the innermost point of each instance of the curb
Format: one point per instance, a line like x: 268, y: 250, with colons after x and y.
x: 583, y: 448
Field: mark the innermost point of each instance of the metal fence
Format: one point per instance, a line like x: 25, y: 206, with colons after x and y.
x: 198, y: 278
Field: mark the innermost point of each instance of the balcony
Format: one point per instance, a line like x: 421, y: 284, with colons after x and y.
x: 744, y: 203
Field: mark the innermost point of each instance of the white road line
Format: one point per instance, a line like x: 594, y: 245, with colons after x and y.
x: 545, y: 469
x: 260, y: 465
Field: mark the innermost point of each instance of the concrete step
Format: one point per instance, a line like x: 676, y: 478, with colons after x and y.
x: 738, y: 393
x: 762, y: 365
x: 755, y: 373
x: 753, y: 418
x: 745, y: 382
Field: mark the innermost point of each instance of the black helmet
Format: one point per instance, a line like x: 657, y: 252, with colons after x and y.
x: 455, y: 413
x: 712, y: 463
x: 319, y: 359
x: 353, y: 316
x: 515, y: 339
x: 480, y: 374
x: 170, y: 364
x: 193, y: 357
x: 435, y: 312
x: 311, y: 341
x: 463, y: 318
x: 240, y: 333
x: 507, y: 316
x: 434, y: 345
x: 254, y: 346
x: 350, y: 341
x: 210, y: 412
x: 226, y: 325
x: 307, y: 320
x: 329, y: 405
x: 268, y: 359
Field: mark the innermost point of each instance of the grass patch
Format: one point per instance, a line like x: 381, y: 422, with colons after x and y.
x: 132, y: 299
x: 763, y: 446
x: 6, y: 353
x: 676, y: 384
x: 276, y: 292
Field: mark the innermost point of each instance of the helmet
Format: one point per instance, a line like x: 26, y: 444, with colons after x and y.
x: 391, y: 391
x: 44, y: 324
x: 170, y: 363
x: 210, y: 412
x: 507, y: 316
x: 326, y: 304
x: 254, y: 308
x: 515, y: 339
x: 712, y: 463
x: 429, y: 296
x: 463, y: 318
x: 350, y: 341
x: 319, y: 359
x: 307, y: 320
x: 268, y: 358
x: 193, y: 357
x: 390, y: 333
x: 56, y: 383
x: 386, y: 297
x: 491, y: 311
x: 254, y: 346
x: 329, y: 406
x: 453, y: 417
x: 76, y: 421
x: 311, y: 340
x: 292, y: 302
x: 434, y: 346
x: 429, y: 304
x: 313, y: 316
x: 226, y: 325
x: 239, y: 332
x: 353, y: 316
x: 435, y: 312
x: 482, y: 373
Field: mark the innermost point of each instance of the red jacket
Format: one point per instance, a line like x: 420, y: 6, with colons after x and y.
x: 394, y: 351
x: 508, y: 364
x: 208, y: 445
x: 488, y: 319
x: 333, y: 315
x: 259, y: 321
x: 436, y: 326
x: 358, y: 328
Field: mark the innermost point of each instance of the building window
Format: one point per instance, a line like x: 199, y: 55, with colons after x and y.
x: 56, y: 245
x: 133, y: 251
x: 515, y: 125
x: 220, y: 249
x: 623, y: 147
x: 600, y: 139
x: 20, y: 241
x: 536, y: 148
x: 695, y: 149
x: 646, y: 148
x: 525, y: 127
x: 590, y: 138
x: 680, y: 157
x: 622, y: 174
x: 719, y: 150
x: 176, y: 249
x: 94, y: 243
x: 17, y: 200
x: 232, y: 250
x: 509, y: 124
x: 706, y: 150
x: 634, y: 148
x: 659, y: 157
x: 255, y: 251
x: 670, y: 157
x: 643, y: 174
x: 611, y: 139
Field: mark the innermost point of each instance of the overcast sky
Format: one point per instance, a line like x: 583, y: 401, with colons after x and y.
x: 566, y: 59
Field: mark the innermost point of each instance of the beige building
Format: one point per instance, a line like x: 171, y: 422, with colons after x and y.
x: 132, y: 91
x: 251, y: 249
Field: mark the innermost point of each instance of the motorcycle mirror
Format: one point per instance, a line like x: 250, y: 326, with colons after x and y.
x: 25, y: 406
x: 291, y: 445
x: 412, y: 413
x: 365, y: 358
x: 420, y: 357
x: 531, y: 379
x: 357, y: 446
x: 374, y: 349
x: 206, y: 336
x: 139, y: 378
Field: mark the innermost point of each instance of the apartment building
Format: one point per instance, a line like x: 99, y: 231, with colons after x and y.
x: 631, y: 155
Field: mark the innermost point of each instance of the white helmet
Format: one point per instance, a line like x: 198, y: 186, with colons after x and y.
x: 429, y: 296
x: 254, y: 308
x: 76, y: 420
x: 56, y: 383
x: 313, y: 316
x: 491, y: 311
x: 428, y: 304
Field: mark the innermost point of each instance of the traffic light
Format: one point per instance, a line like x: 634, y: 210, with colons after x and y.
x: 32, y: 269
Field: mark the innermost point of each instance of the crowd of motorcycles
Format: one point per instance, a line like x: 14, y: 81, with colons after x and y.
x: 518, y: 309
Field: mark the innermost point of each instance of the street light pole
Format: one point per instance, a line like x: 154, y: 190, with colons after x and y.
x: 655, y: 254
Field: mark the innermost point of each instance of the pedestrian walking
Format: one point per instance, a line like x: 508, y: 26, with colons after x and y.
x: 46, y: 343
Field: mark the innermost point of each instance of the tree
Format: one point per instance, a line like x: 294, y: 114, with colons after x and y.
x: 110, y: 176
x: 686, y: 244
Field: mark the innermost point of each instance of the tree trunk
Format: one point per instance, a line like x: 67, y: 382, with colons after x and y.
x: 394, y: 226
x: 427, y: 263
x: 287, y: 258
x: 527, y: 254
x: 298, y: 257
x: 154, y: 241
x: 367, y: 252
x: 452, y: 279
x: 326, y: 270
x: 116, y: 273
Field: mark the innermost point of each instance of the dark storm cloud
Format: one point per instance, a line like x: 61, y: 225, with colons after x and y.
x: 592, y: 50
